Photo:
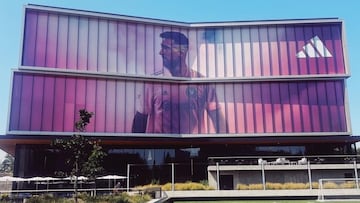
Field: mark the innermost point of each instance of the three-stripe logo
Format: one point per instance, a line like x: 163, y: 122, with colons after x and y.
x: 315, y: 48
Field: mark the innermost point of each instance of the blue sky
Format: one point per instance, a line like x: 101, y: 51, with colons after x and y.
x: 11, y: 14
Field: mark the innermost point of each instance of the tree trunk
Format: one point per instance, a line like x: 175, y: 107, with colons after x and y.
x: 76, y: 181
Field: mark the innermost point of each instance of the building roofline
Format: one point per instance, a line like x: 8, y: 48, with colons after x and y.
x: 179, y: 23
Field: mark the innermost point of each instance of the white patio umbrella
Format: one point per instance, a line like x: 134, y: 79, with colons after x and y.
x: 73, y: 178
x: 38, y: 179
x: 79, y: 178
x: 11, y: 179
x: 111, y: 177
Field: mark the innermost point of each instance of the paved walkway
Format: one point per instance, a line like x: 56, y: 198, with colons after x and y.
x: 256, y: 194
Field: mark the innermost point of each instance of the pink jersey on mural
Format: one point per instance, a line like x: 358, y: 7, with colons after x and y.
x: 177, y: 108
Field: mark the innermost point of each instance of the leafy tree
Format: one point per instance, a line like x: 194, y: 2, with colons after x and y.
x: 83, y: 156
x: 7, y: 165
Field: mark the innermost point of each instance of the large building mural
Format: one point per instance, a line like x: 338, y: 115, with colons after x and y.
x: 159, y: 77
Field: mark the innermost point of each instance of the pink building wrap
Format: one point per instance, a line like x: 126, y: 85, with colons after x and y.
x: 268, y: 77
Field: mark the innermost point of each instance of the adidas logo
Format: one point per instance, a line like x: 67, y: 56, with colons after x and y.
x: 314, y: 49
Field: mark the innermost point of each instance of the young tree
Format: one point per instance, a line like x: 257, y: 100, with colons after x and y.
x: 83, y: 156
x: 7, y: 165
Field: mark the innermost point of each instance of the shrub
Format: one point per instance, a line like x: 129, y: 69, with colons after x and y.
x: 4, y: 197
x: 48, y: 198
x: 187, y: 186
x: 315, y: 185
x: 330, y: 185
x: 166, y: 187
x: 256, y: 187
x: 347, y: 185
x: 274, y: 186
x: 277, y: 186
x: 242, y: 187
x: 83, y: 197
x: 292, y: 186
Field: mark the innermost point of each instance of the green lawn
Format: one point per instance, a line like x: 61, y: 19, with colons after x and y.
x: 267, y: 201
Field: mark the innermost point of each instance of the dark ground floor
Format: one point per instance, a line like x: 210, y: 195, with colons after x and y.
x: 155, y: 160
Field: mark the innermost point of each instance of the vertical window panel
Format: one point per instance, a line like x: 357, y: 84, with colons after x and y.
x: 140, y: 49
x: 240, y: 111
x: 305, y: 107
x: 103, y: 46
x: 265, y: 52
x: 292, y: 50
x: 110, y: 106
x: 157, y: 47
x: 131, y: 49
x: 299, y: 36
x: 80, y: 94
x: 122, y: 44
x: 16, y: 100
x: 181, y: 110
x: 249, y: 109
x: 62, y: 42
x: 51, y: 44
x: 202, y: 52
x: 193, y: 50
x: 221, y: 97
x: 69, y: 111
x: 93, y: 48
x: 312, y: 59
x: 238, y: 60
x: 258, y: 109
x: 230, y: 106
x: 48, y: 104
x: 277, y: 107
x: 274, y: 52
x: 37, y: 103
x: 246, y: 43
x: 324, y: 107
x: 339, y: 89
x: 59, y: 107
x: 73, y: 43
x: 283, y: 51
x: 120, y: 106
x: 329, y: 62
x: 150, y: 51
x: 211, y: 56
x: 29, y: 39
x: 333, y: 108
x: 314, y: 107
x: 219, y: 54
x: 255, y: 52
x: 338, y: 49
x: 91, y: 89
x: 112, y: 47
x: 295, y: 107
x: 100, y: 103
x: 129, y: 101
x: 320, y: 62
x: 268, y: 107
x: 41, y: 39
x: 286, y: 108
x: 83, y: 44
x: 26, y: 98
x: 228, y: 53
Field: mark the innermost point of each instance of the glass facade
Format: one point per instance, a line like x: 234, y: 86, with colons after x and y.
x: 155, y: 164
